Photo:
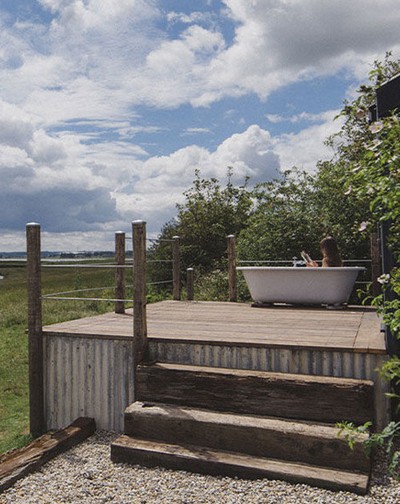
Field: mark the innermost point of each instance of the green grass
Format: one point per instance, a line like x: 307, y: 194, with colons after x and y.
x: 14, y: 396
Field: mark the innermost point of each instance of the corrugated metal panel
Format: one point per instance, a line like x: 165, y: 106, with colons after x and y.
x: 94, y: 377
x: 87, y: 377
x: 281, y: 360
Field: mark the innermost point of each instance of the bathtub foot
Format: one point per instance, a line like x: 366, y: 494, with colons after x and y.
x: 339, y: 306
x: 262, y: 305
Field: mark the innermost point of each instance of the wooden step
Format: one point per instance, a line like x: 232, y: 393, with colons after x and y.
x: 276, y: 438
x: 305, y: 397
x: 210, y: 461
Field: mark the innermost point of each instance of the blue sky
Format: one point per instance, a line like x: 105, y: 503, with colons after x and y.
x: 108, y: 107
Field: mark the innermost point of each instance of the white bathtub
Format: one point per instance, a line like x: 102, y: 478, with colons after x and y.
x: 299, y: 285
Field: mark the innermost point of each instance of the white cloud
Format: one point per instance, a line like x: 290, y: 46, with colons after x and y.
x: 159, y: 182
x: 305, y: 148
x: 193, y: 17
x: 70, y: 92
x: 97, y: 59
x: 325, y: 116
x: 278, y: 42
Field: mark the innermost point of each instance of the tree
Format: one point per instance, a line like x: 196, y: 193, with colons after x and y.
x: 295, y: 212
x: 209, y: 213
x: 283, y: 222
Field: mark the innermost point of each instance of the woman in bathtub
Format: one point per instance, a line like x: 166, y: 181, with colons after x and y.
x: 330, y: 254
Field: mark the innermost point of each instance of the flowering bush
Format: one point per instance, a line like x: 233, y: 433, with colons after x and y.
x: 371, y: 154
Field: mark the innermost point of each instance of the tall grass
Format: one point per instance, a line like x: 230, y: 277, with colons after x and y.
x: 14, y: 400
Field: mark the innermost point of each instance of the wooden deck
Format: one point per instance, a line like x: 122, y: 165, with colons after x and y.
x: 89, y: 362
x: 355, y: 329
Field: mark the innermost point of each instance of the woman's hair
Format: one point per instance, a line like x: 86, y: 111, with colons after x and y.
x: 330, y: 252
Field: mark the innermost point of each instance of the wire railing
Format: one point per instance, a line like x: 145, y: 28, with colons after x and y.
x: 123, y: 262
x: 75, y: 294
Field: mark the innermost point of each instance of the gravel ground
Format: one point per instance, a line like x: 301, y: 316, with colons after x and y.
x: 85, y: 474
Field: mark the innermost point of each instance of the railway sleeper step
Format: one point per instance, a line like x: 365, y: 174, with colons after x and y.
x: 276, y: 438
x: 191, y: 458
x: 295, y: 396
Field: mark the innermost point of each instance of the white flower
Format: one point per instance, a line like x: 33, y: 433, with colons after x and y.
x: 360, y: 113
x: 376, y: 127
x: 383, y: 279
x: 363, y: 226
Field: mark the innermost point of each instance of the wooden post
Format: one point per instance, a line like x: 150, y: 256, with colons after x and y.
x: 139, y: 291
x: 375, y: 263
x: 35, y: 339
x: 176, y: 269
x: 189, y: 284
x: 232, y: 268
x: 120, y: 271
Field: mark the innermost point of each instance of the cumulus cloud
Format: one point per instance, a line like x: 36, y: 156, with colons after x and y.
x: 279, y: 42
x: 305, y: 148
x: 159, y: 182
x: 67, y: 183
x: 77, y: 85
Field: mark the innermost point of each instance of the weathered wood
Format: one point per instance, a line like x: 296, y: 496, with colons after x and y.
x: 120, y: 271
x: 190, y: 284
x: 35, y: 339
x: 139, y: 290
x: 276, y: 438
x: 239, y: 324
x: 19, y: 463
x: 317, y: 398
x: 211, y: 461
x: 232, y: 274
x: 176, y: 269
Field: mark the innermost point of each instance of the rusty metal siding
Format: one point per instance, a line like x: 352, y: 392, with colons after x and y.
x: 87, y: 377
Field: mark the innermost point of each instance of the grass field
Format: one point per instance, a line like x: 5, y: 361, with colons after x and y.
x: 14, y: 400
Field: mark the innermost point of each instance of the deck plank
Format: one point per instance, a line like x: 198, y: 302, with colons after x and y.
x: 355, y: 329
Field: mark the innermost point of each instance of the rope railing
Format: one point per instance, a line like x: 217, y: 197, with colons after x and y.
x: 76, y: 291
x: 60, y: 296
x: 70, y: 298
x: 161, y: 282
x: 77, y: 265
x: 120, y: 265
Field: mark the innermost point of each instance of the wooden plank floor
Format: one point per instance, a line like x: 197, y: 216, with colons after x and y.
x: 354, y: 329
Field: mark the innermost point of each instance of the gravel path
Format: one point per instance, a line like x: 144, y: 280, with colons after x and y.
x: 85, y: 474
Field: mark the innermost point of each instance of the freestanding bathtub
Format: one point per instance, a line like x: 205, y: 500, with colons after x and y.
x: 300, y: 285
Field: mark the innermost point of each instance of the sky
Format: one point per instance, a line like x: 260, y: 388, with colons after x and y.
x: 107, y: 107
